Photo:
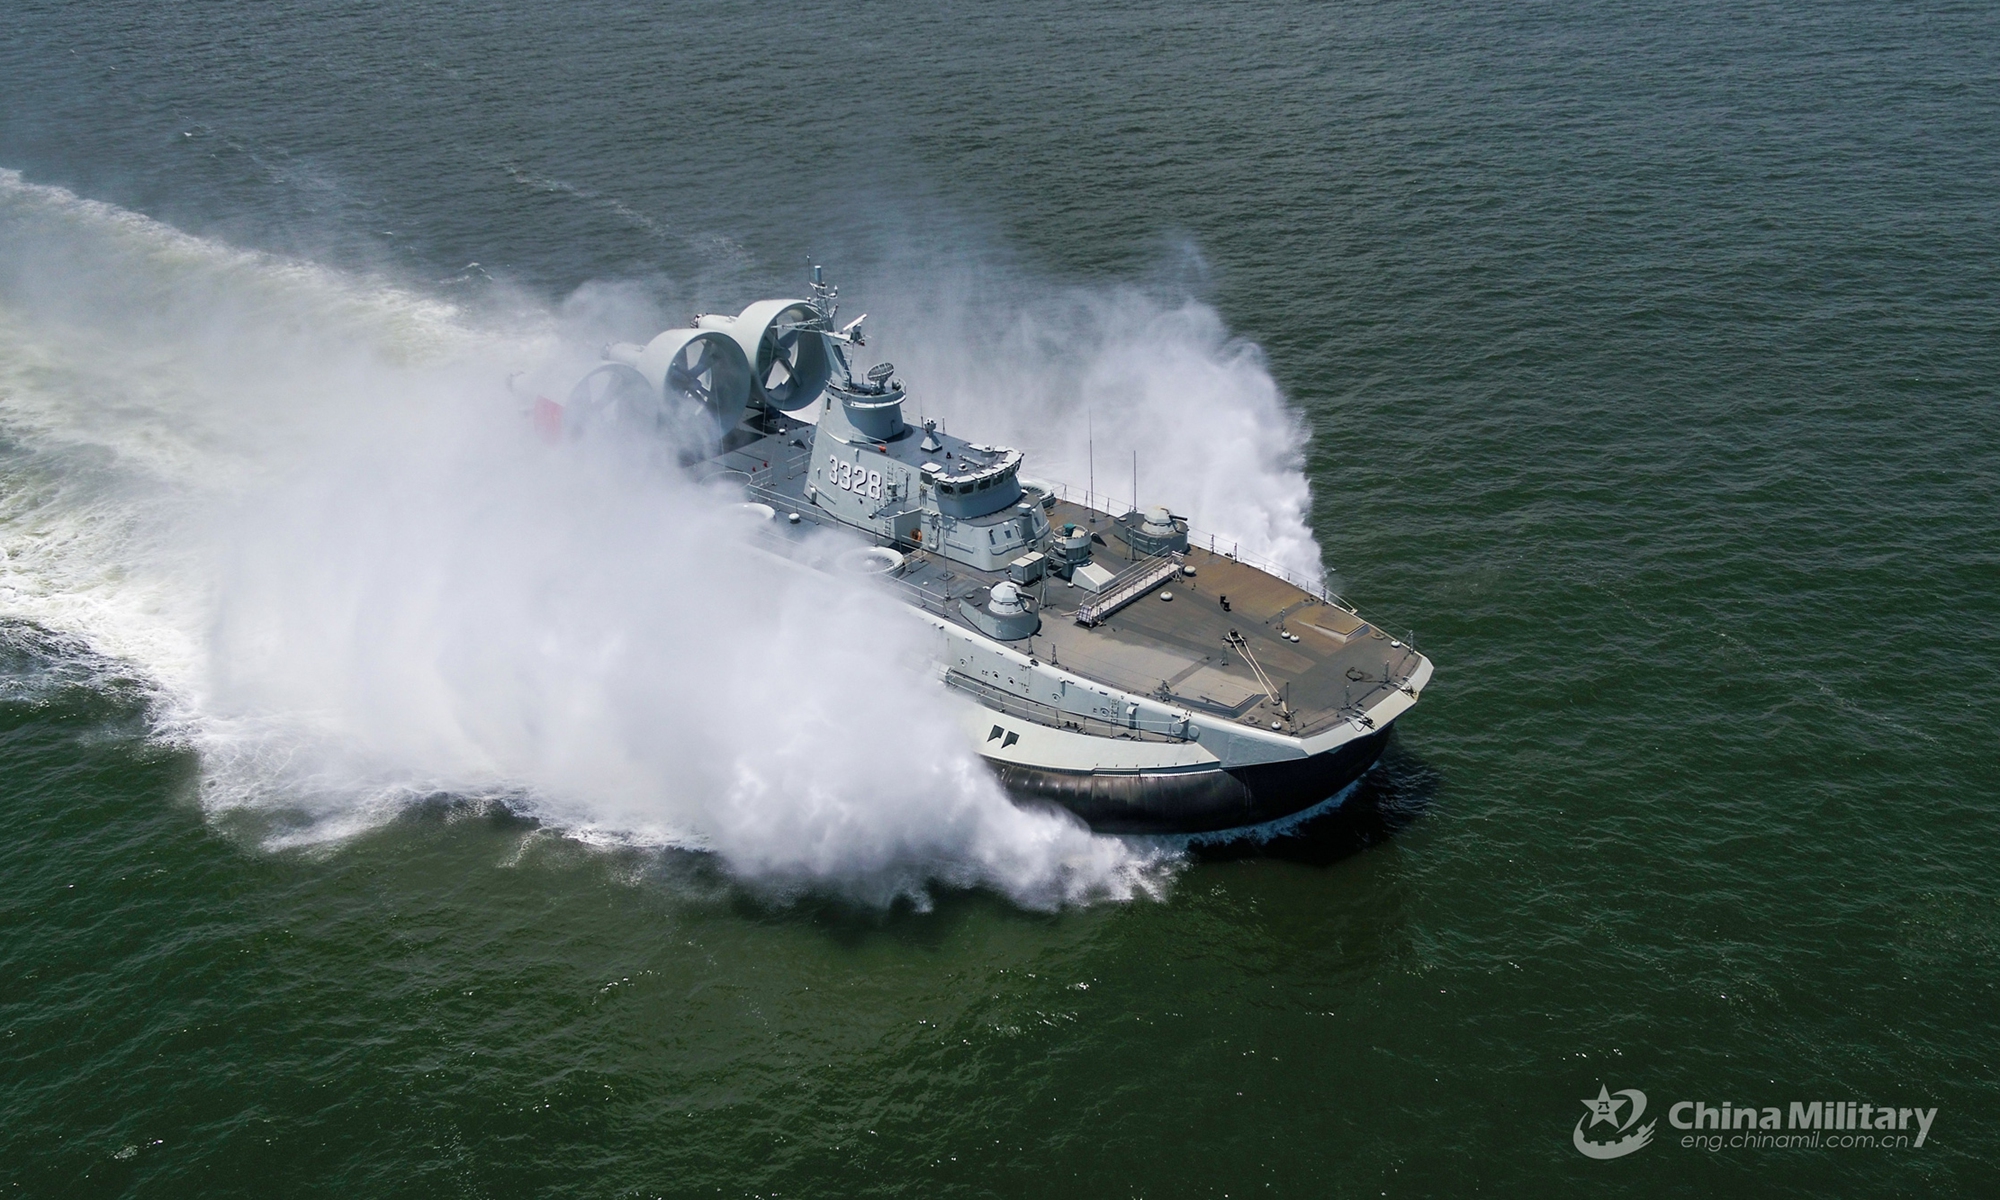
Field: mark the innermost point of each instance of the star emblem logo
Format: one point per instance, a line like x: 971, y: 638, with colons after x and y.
x: 1605, y: 1107
x: 1604, y: 1111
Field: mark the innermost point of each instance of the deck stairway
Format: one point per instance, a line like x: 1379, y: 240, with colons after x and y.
x: 1129, y: 585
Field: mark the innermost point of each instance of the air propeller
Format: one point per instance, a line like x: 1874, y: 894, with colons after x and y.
x: 614, y: 396
x: 786, y: 343
x: 691, y: 385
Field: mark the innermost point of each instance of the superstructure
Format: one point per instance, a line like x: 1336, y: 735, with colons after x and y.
x: 1109, y: 663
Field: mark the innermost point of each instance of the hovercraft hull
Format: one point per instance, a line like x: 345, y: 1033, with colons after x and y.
x: 1193, y: 801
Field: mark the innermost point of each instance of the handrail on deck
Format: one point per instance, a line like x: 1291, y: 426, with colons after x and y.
x: 1312, y: 585
x: 1040, y: 713
x: 1130, y: 584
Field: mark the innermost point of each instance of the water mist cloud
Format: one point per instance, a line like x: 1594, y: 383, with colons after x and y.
x: 1130, y: 370
x: 455, y: 607
x: 307, y: 504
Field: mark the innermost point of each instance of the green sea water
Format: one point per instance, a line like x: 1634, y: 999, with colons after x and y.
x: 1643, y: 360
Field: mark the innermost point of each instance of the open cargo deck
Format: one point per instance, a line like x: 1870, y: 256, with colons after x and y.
x: 1235, y: 663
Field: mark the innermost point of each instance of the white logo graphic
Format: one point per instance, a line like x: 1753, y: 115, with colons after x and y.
x: 1603, y: 1111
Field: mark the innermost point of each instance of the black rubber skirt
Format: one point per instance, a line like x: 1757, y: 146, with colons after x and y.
x: 1194, y: 801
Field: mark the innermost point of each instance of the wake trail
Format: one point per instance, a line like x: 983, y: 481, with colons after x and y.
x: 305, y: 504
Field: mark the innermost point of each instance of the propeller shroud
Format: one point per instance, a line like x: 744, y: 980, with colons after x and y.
x: 613, y: 396
x: 784, y: 342
x: 701, y: 378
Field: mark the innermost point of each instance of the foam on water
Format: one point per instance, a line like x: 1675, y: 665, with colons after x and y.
x: 307, y: 505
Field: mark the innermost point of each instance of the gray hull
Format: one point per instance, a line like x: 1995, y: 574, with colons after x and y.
x: 1116, y: 669
x: 1194, y: 801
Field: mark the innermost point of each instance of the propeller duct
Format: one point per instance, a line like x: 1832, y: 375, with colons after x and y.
x: 686, y: 385
x: 701, y: 378
x: 788, y: 352
x: 613, y: 397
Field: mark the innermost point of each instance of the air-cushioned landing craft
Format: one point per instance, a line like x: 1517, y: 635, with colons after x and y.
x: 1145, y: 678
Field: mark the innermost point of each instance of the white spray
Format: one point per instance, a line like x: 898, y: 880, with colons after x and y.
x: 306, y: 505
x: 1159, y: 380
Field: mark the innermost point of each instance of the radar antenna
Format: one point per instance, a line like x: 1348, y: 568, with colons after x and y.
x: 825, y: 301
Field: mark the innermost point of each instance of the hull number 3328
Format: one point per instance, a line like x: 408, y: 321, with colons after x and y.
x: 849, y: 477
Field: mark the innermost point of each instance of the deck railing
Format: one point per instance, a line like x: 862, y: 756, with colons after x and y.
x: 1012, y: 704
x: 757, y: 487
x: 1313, y: 585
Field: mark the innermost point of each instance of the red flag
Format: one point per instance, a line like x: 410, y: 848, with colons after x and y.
x: 548, y: 419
